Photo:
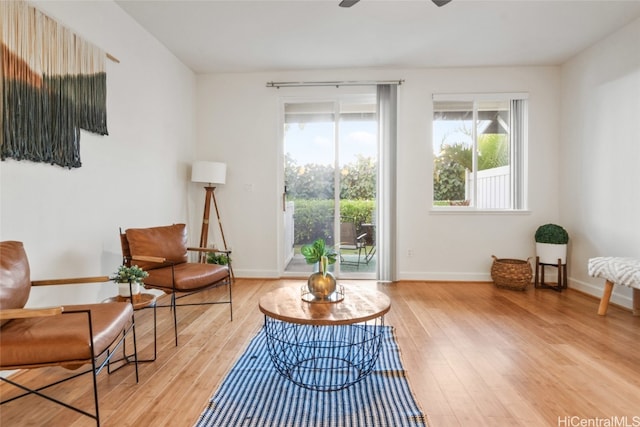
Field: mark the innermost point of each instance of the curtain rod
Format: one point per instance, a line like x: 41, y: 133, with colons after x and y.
x: 278, y: 85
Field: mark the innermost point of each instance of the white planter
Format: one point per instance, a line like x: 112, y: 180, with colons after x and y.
x: 123, y: 289
x: 549, y: 253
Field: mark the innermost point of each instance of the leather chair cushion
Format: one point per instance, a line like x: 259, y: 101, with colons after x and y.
x: 15, y: 281
x: 188, y: 276
x: 63, y: 339
x: 168, y: 242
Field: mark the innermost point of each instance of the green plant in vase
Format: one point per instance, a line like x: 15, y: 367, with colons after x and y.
x: 218, y: 258
x: 552, y: 234
x: 321, y: 284
x: 129, y: 279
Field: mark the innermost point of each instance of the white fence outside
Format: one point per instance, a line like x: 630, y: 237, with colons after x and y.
x: 494, y: 188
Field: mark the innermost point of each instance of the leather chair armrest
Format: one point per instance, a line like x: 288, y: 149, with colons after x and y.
x: 149, y: 258
x: 71, y: 281
x: 24, y: 313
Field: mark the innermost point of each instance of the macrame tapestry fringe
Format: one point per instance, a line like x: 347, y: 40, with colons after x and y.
x: 54, y: 83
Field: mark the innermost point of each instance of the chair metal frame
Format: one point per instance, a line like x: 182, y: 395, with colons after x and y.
x: 175, y: 297
x: 358, y: 244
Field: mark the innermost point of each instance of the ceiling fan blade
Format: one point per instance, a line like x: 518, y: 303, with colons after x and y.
x: 348, y: 3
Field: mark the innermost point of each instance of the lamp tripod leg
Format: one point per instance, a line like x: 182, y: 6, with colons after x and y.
x: 224, y: 241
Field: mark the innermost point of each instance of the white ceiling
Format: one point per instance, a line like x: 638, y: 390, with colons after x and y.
x: 267, y: 35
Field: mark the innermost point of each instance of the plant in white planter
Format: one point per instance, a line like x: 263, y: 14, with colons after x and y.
x: 129, y: 279
x: 551, y: 244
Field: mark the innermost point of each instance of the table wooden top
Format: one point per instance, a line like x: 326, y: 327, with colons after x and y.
x: 139, y: 301
x: 358, y: 305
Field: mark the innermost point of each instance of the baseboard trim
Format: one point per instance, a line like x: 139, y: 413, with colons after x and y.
x: 446, y: 277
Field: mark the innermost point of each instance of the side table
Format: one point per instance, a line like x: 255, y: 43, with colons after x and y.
x: 562, y: 275
x: 139, y: 302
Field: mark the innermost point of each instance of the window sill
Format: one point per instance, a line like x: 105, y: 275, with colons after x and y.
x: 463, y: 210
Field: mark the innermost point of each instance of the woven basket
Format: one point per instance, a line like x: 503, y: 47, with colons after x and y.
x: 511, y: 273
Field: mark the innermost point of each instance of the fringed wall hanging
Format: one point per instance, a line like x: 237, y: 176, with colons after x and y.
x: 54, y: 83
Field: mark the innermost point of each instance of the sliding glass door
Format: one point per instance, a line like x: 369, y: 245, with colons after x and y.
x: 330, y: 170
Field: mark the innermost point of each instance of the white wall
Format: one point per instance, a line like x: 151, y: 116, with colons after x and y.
x: 600, y: 151
x: 238, y: 124
x: 136, y: 176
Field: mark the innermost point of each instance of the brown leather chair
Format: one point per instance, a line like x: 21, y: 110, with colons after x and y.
x: 163, y: 253
x: 71, y: 336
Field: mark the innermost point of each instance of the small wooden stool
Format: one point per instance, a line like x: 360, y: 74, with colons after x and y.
x: 623, y: 271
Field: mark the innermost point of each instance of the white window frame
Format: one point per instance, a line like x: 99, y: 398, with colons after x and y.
x: 518, y: 151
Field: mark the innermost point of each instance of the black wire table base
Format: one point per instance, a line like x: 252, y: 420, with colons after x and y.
x: 324, y: 357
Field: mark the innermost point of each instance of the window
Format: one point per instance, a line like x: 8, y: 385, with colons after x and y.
x: 479, y: 146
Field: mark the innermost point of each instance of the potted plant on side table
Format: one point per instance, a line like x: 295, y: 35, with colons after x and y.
x: 129, y: 280
x: 551, y: 249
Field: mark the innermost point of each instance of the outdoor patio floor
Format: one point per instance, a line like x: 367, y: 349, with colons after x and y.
x: 348, y: 265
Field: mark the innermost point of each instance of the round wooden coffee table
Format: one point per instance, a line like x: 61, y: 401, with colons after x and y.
x: 324, y: 346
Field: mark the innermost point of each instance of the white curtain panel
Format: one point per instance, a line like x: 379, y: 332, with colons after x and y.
x: 519, y: 135
x: 387, y: 97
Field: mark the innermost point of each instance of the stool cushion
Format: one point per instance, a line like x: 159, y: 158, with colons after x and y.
x: 621, y: 271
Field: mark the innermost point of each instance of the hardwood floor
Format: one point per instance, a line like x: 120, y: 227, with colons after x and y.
x: 475, y: 356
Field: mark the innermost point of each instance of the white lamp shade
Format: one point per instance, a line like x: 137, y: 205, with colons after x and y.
x: 209, y: 172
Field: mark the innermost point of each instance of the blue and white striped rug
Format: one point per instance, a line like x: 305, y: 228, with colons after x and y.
x: 255, y: 394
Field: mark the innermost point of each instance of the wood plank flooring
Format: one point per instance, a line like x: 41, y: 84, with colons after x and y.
x: 475, y: 355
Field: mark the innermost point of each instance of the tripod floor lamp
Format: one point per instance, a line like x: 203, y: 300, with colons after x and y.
x: 211, y: 173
